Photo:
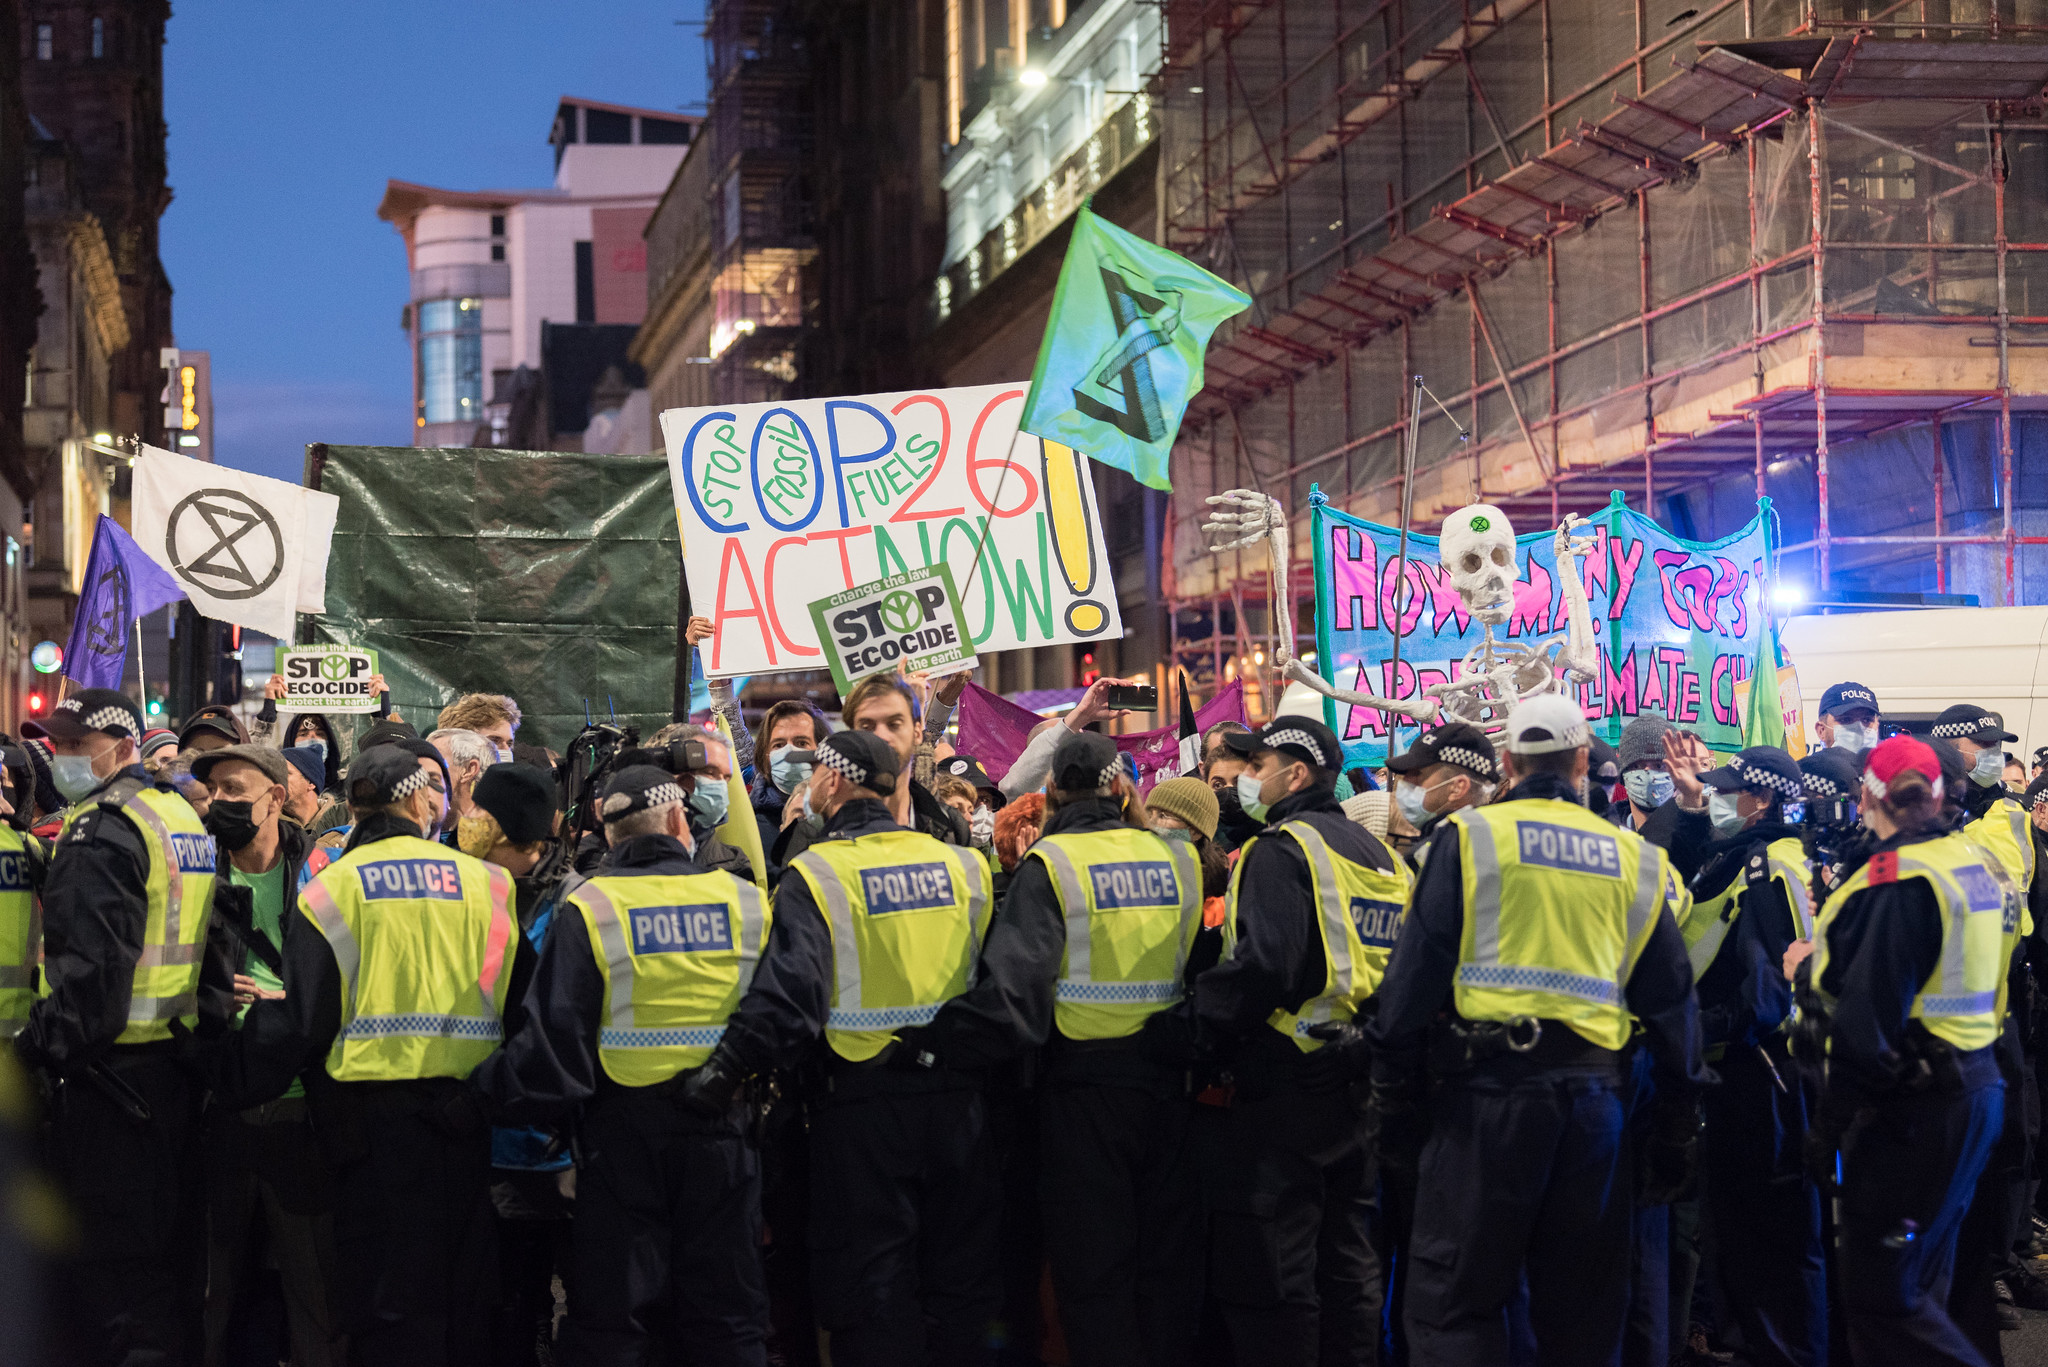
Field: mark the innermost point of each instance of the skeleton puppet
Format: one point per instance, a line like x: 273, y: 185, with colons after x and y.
x: 1477, y: 552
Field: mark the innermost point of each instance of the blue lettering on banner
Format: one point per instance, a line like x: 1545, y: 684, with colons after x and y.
x: 435, y: 878
x: 14, y: 871
x: 907, y: 887
x: 1377, y: 922
x: 1140, y: 883
x: 194, y: 853
x: 681, y: 930
x: 1567, y: 847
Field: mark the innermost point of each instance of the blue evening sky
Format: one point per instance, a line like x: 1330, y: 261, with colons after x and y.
x: 285, y: 122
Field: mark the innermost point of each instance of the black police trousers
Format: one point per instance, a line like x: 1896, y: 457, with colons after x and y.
x: 903, y: 1231
x: 415, y: 1237
x: 1122, y: 1206
x: 1909, y: 1171
x: 1998, y: 1212
x: 133, y: 1291
x: 1766, y: 1214
x: 1526, y: 1175
x: 667, y: 1238
x: 1292, y: 1216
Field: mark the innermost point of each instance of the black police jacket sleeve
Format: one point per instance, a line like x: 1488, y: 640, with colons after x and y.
x: 1882, y: 946
x: 549, y: 1062
x: 1422, y: 969
x: 784, y: 1008
x: 1743, y: 995
x: 95, y: 913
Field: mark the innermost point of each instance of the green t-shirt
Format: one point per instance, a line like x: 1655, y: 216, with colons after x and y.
x: 266, y: 891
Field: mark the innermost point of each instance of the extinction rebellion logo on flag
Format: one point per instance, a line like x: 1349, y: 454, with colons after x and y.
x: 908, y: 621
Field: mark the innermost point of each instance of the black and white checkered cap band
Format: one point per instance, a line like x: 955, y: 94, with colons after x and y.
x: 409, y: 785
x: 101, y: 720
x: 1967, y: 728
x: 1756, y: 776
x: 1276, y: 739
x: 660, y: 795
x: 850, y: 770
x: 1819, y: 785
x: 1109, y: 773
x: 1469, y: 759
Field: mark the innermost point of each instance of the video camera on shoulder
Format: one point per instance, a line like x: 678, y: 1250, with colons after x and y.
x: 683, y: 755
x: 592, y: 758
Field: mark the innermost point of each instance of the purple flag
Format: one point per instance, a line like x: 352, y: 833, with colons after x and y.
x: 121, y: 584
x: 994, y: 730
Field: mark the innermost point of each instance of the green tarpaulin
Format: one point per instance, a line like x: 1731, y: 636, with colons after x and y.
x: 548, y: 575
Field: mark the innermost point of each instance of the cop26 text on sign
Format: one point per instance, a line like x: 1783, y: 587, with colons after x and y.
x: 327, y: 679
x: 779, y: 503
x: 910, y: 621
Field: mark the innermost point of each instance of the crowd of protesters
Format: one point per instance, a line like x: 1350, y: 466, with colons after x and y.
x: 349, y: 1044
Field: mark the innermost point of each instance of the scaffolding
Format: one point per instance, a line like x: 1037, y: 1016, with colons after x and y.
x: 1642, y: 249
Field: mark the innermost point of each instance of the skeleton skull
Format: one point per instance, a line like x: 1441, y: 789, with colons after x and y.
x: 1478, y: 552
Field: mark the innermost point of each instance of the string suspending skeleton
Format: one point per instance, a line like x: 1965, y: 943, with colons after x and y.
x: 1477, y: 552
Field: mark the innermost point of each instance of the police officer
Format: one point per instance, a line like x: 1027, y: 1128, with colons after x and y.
x: 126, y: 915
x: 397, y: 972
x: 1908, y: 968
x: 1750, y: 900
x: 1848, y: 718
x: 1547, y: 934
x: 1993, y: 816
x: 643, y: 966
x: 1312, y: 913
x: 1446, y: 770
x: 917, y: 996
x: 24, y: 860
x: 1121, y: 1192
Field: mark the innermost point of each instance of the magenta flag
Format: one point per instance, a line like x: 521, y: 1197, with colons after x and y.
x: 994, y: 730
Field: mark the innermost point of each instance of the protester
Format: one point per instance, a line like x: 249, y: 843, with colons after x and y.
x: 1029, y: 770
x: 213, y: 727
x: 788, y: 729
x: 881, y: 706
x: 305, y: 778
x: 493, y: 716
x: 1645, y: 781
x: 468, y: 754
x: 159, y: 744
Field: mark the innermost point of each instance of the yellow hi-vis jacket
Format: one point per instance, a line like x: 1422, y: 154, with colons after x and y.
x: 1558, y: 907
x: 908, y: 915
x: 1707, y: 924
x: 182, y: 859
x: 1132, y: 902
x: 677, y: 952
x: 1358, y: 911
x: 424, y: 938
x: 1963, y: 1000
x: 21, y: 933
x: 2006, y: 831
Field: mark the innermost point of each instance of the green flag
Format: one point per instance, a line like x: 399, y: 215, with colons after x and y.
x: 1122, y: 354
x: 1763, y: 722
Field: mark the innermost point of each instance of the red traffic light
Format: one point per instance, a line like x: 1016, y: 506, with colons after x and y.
x: 35, y: 703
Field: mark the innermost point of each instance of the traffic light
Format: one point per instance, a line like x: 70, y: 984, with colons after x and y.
x: 36, y: 703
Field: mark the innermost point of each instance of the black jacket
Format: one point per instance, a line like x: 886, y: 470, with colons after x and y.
x: 1743, y: 995
x: 551, y: 1065
x: 1280, y: 962
x: 95, y: 914
x: 1418, y: 985
x: 283, y: 1038
x: 928, y: 816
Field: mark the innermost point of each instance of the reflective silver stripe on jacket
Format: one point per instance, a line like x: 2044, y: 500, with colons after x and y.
x: 1703, y: 950
x: 1077, y: 984
x: 16, y: 977
x: 150, y: 1010
x: 1485, y: 969
x: 424, y: 1026
x: 348, y: 956
x: 1801, y: 896
x: 174, y: 877
x: 169, y: 956
x: 1955, y: 998
x: 838, y: 909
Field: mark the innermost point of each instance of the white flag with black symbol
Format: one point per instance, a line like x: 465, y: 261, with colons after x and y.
x: 247, y: 549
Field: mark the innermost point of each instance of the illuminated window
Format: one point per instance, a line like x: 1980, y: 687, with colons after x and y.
x: 46, y: 43
x: 99, y: 37
x: 452, y: 360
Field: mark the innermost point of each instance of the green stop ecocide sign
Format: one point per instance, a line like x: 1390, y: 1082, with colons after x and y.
x: 326, y: 679
x: 908, y: 621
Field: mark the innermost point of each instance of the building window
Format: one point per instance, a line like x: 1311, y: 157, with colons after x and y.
x: 452, y: 360
x: 497, y: 237
x: 99, y: 37
x: 586, y: 284
x: 46, y: 43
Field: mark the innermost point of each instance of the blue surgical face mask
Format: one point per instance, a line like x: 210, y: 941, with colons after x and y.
x: 812, y: 822
x: 1412, y: 801
x: 1989, y: 769
x: 784, y: 772
x: 1723, y: 813
x: 709, y: 801
x: 1180, y: 833
x: 73, y: 776
x: 1856, y: 738
x: 314, y: 743
x: 1648, y: 788
x: 1248, y: 788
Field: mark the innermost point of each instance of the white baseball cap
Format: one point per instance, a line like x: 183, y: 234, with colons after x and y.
x: 1545, y: 725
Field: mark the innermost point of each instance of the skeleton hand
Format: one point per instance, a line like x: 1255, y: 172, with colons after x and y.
x: 1567, y: 544
x: 1256, y: 516
x: 1581, y: 654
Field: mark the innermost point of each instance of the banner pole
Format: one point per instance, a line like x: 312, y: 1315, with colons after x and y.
x: 1401, y: 557
x: 141, y: 680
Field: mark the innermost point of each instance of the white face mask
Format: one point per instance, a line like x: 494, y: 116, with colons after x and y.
x: 1856, y: 738
x: 981, y: 827
x: 1726, y: 817
x: 1248, y: 789
x: 1989, y: 769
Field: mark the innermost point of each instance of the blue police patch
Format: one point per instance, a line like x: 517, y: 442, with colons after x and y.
x: 1568, y: 848
x: 194, y: 853
x: 907, y: 887
x: 1376, y: 922
x: 1139, y: 883
x: 1981, y: 888
x: 681, y: 930
x: 14, y: 871
x: 433, y: 878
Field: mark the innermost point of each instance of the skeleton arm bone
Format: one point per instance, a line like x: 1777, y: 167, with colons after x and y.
x: 1581, y: 655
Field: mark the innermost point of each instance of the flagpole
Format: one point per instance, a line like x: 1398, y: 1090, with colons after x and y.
x: 141, y: 681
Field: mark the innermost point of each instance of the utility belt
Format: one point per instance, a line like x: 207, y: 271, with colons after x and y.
x: 846, y: 1080
x: 1458, y: 1046
x: 1928, y: 1063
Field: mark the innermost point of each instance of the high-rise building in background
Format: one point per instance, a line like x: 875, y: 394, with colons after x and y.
x: 523, y: 301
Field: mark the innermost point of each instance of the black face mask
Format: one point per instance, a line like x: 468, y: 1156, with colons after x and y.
x: 1230, y: 813
x: 231, y: 823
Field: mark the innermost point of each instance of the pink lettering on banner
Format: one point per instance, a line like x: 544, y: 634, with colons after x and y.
x: 1688, y: 593
x: 1532, y: 603
x: 1688, y: 696
x: 1725, y: 586
x: 1670, y: 664
x: 1740, y: 626
x: 1416, y: 594
x: 1627, y: 560
x: 1724, y: 712
x: 1445, y: 604
x: 1618, y: 686
x: 1354, y: 569
x: 1593, y: 569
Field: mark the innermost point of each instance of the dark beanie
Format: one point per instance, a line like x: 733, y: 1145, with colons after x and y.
x: 521, y: 797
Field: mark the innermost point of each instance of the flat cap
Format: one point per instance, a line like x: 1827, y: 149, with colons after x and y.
x: 1760, y: 766
x: 1460, y: 743
x: 271, y: 762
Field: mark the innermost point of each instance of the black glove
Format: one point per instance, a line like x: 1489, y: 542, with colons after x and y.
x: 1168, y: 1039
x: 1399, y: 1125
x: 1345, y: 1058
x: 913, y: 1052
x: 1833, y: 1118
x: 462, y: 1114
x: 709, y: 1091
x: 1671, y: 1154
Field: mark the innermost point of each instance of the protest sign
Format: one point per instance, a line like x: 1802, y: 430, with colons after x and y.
x: 326, y: 679
x: 910, y: 621
x: 1678, y: 622
x: 780, y: 502
x: 1788, y: 703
